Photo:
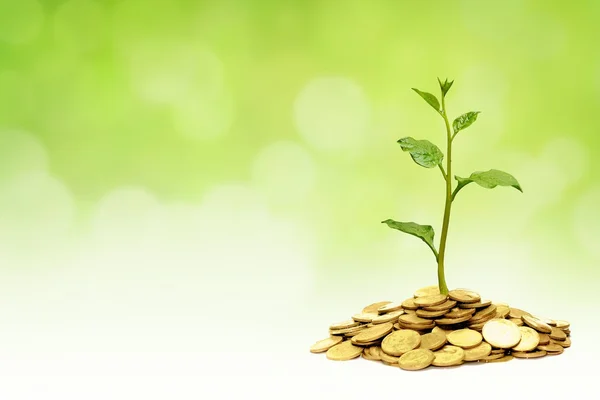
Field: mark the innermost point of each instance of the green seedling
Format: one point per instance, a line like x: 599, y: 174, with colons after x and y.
x: 428, y: 155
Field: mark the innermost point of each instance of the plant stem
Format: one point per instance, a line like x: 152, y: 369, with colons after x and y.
x: 441, y: 277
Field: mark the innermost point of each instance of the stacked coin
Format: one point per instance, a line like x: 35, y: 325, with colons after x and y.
x: 443, y: 330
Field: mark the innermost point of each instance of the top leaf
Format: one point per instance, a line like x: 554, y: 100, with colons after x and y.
x: 423, y: 152
x: 464, y: 121
x: 429, y: 98
x: 445, y: 86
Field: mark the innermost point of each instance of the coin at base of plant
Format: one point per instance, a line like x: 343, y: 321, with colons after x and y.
x: 415, y: 360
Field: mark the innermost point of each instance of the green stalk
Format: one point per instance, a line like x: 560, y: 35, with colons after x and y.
x: 448, y: 177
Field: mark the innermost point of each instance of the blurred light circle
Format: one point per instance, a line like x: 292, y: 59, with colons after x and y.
x: 332, y: 113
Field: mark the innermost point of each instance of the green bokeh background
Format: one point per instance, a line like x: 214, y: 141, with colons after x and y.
x: 296, y: 106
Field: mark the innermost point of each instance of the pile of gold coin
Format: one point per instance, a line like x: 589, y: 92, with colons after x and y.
x: 431, y: 329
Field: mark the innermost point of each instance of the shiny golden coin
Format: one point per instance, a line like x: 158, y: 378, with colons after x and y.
x: 459, y: 313
x: 529, y: 354
x: 432, y: 300
x: 464, y: 296
x: 415, y: 360
x: 389, y: 317
x: 346, y: 331
x: 354, y: 333
x: 465, y: 338
x: 413, y: 312
x: 502, y: 311
x: 544, y: 338
x: 439, y: 330
x: 373, y: 333
x: 366, y: 354
x: 567, y: 331
x: 501, y: 359
x: 516, y: 321
x: 451, y: 321
x: 498, y: 351
x: 560, y: 324
x: 422, y: 329
x: 545, y: 320
x: 389, y: 359
x: 517, y: 313
x: 536, y: 324
x: 399, y: 342
x: 478, y: 352
x: 396, y: 306
x: 372, y: 308
x: 427, y: 291
x: 344, y: 351
x: 409, y: 304
x: 501, y: 333
x: 375, y: 352
x: 478, y: 326
x: 364, y: 317
x: 433, y: 340
x: 530, y: 339
x: 551, y: 348
x: 344, y: 324
x: 448, y: 356
x: 479, y: 304
x: 366, y: 344
x: 325, y: 344
x: 396, y: 326
x: 491, y: 357
x: 558, y: 334
x: 430, y: 314
x: 565, y: 343
x: 447, y: 305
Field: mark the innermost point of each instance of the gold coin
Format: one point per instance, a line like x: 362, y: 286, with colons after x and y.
x: 560, y: 324
x: 567, y: 331
x: 366, y: 354
x: 409, y: 304
x: 452, y: 321
x: 418, y: 328
x: 372, y: 308
x: 516, y: 321
x: 558, y: 334
x: 551, y: 348
x: 413, y: 312
x: 536, y: 324
x: 501, y: 333
x: 502, y: 311
x: 415, y: 360
x: 356, y: 332
x: 427, y: 291
x: 433, y: 340
x: 325, y: 344
x: 529, y: 354
x: 366, y: 344
x: 399, y: 342
x: 364, y: 317
x: 565, y: 343
x: 517, y: 313
x: 414, y: 319
x: 544, y: 338
x: 432, y: 300
x: 344, y: 324
x: 447, y: 305
x: 389, y: 308
x: 396, y: 326
x: 491, y: 357
x: 459, y: 313
x: 464, y: 296
x: 430, y: 314
x: 545, y: 320
x: 448, y: 356
x: 389, y: 317
x: 498, y: 351
x: 530, y: 339
x: 465, y: 338
x: 501, y: 359
x: 478, y: 352
x: 478, y: 326
x: 479, y: 304
x: 375, y: 352
x: 347, y: 330
x: 389, y: 359
x: 373, y: 333
x: 344, y: 351
x: 486, y: 313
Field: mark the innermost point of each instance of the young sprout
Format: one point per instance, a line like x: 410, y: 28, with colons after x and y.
x: 428, y: 155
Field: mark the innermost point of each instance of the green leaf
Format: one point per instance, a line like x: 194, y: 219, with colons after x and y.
x: 445, y: 86
x: 464, y: 121
x: 488, y: 179
x: 423, y: 232
x: 431, y: 99
x: 423, y: 152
